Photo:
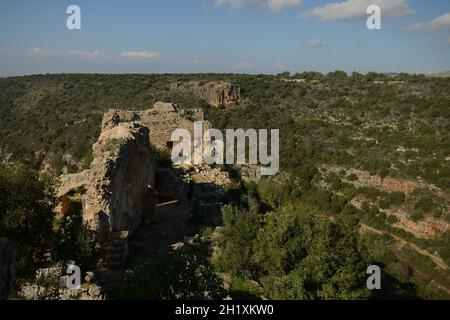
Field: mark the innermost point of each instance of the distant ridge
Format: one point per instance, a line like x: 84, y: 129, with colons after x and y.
x: 443, y: 74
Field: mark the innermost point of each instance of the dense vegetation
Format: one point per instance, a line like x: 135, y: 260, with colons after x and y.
x: 26, y: 204
x: 341, y: 119
x: 298, y: 235
x: 299, y: 242
x: 295, y: 252
x: 27, y: 217
x: 184, y: 274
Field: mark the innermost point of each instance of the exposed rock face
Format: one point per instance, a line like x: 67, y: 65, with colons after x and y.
x: 215, y: 93
x: 53, y: 286
x: 120, y: 183
x: 250, y: 172
x: 123, y: 173
x: 71, y: 182
x: 429, y: 227
x: 162, y: 119
x: 118, y: 189
x: 165, y: 107
x: 7, y: 267
x: 213, y: 176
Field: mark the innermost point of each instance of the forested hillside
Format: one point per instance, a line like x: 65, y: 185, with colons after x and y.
x: 365, y: 170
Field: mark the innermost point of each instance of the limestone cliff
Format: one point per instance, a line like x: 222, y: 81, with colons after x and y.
x: 215, y: 93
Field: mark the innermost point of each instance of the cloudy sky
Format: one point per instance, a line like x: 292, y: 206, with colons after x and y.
x: 241, y: 36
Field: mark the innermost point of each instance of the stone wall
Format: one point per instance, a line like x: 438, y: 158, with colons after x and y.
x: 119, y: 186
x: 162, y: 120
x: 51, y: 284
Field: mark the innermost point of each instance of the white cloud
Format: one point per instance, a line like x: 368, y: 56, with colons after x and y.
x: 280, y: 5
x: 414, y: 27
x: 94, y: 55
x: 43, y: 53
x: 242, y: 65
x: 279, y: 65
x: 272, y: 5
x: 315, y: 43
x: 140, y: 55
x: 441, y: 22
x: 201, y: 61
x: 83, y: 55
x: 238, y: 4
x: 36, y: 51
x: 357, y: 9
x: 7, y: 51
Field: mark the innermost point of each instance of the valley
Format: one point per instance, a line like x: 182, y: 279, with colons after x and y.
x: 364, y: 179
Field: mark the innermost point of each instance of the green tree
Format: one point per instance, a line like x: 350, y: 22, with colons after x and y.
x: 26, y: 213
x: 239, y: 232
x: 75, y: 240
x: 304, y: 255
x: 184, y: 274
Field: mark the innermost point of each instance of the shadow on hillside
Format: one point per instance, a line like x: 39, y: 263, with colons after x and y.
x: 183, y: 209
x: 393, y: 289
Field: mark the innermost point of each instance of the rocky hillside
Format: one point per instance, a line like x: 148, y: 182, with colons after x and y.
x: 215, y: 93
x: 369, y: 151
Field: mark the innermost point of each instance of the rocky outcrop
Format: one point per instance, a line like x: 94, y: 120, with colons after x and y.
x: 165, y: 107
x: 162, y: 120
x: 249, y: 172
x: 51, y: 284
x: 70, y: 182
x: 119, y: 186
x: 215, y: 93
x: 7, y: 267
x: 429, y: 227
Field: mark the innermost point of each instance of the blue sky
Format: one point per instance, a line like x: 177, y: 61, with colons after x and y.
x: 242, y: 36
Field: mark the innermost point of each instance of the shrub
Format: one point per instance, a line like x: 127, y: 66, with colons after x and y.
x: 26, y: 213
x: 417, y: 215
x: 392, y: 219
x: 184, y: 274
x: 112, y: 145
x: 293, y: 253
x: 74, y: 239
x: 239, y: 233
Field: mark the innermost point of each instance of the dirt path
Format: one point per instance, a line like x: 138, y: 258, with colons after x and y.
x: 436, y: 259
